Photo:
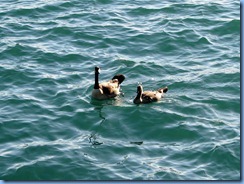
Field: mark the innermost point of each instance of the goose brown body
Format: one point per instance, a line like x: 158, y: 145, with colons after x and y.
x: 106, y: 90
x: 149, y: 96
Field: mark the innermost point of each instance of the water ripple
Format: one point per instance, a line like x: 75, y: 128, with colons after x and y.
x: 50, y: 124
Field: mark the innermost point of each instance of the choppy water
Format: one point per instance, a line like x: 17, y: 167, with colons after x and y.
x: 52, y: 130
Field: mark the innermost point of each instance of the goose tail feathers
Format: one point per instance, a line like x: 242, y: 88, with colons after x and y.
x: 163, y: 90
x: 119, y: 77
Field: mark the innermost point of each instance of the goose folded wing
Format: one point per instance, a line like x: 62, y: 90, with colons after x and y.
x: 108, y: 88
x: 149, y: 96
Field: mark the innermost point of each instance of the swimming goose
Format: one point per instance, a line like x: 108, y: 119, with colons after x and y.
x: 108, y: 89
x: 149, y: 96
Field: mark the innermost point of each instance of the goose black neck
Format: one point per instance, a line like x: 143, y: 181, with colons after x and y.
x: 139, y: 93
x: 96, y: 85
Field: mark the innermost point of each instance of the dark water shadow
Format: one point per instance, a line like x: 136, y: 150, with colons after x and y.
x: 98, y: 107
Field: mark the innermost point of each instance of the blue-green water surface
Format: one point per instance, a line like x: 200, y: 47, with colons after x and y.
x: 50, y: 127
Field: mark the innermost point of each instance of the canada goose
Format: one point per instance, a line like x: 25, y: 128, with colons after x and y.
x: 148, y: 96
x: 108, y: 89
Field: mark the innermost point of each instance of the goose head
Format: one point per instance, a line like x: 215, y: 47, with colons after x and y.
x: 97, y: 70
x: 139, y: 89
